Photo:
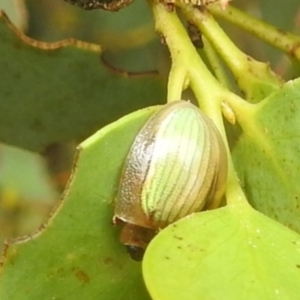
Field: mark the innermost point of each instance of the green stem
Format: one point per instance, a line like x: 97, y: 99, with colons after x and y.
x: 208, y: 91
x: 184, y: 56
x: 176, y: 83
x: 284, y: 41
x: 254, y: 78
x: 215, y: 63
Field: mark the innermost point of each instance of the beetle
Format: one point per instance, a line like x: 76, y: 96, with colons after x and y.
x: 177, y: 165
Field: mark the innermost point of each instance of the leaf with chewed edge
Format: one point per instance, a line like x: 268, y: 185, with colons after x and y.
x: 77, y: 254
x: 54, y: 92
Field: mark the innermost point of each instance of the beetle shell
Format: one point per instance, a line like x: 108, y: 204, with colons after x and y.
x: 177, y: 165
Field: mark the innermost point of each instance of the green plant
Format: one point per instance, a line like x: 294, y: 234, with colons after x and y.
x: 248, y: 249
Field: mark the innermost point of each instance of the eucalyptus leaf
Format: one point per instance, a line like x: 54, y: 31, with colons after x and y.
x: 267, y: 156
x: 229, y: 253
x: 16, y: 10
x: 77, y: 254
x: 53, y: 92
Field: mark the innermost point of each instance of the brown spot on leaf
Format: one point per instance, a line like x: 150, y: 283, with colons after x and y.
x: 82, y: 276
x: 178, y: 237
x: 107, y: 260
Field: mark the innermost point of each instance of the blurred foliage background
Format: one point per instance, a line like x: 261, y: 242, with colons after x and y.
x: 31, y: 183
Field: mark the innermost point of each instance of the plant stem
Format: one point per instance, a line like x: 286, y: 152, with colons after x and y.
x: 215, y: 63
x: 176, y: 83
x: 254, y: 78
x: 184, y: 56
x: 284, y: 41
x: 208, y: 91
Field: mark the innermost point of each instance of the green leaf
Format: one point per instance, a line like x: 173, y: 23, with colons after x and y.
x: 229, y: 253
x: 77, y: 254
x: 16, y: 12
x: 52, y: 92
x: 267, y: 156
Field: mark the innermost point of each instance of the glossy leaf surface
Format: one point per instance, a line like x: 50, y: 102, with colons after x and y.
x: 267, y: 156
x: 229, y: 253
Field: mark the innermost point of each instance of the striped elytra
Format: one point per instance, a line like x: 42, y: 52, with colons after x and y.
x: 177, y: 165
